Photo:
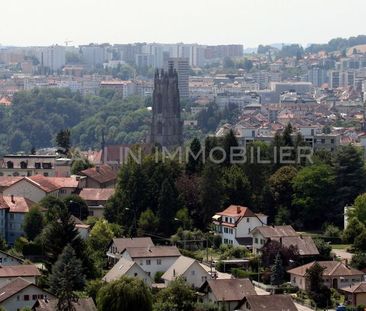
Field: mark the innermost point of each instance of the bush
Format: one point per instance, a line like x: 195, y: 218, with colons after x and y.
x: 216, y: 241
x: 241, y: 274
x: 332, y: 231
x: 157, y: 277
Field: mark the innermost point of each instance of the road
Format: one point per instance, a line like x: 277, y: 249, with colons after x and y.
x: 343, y: 254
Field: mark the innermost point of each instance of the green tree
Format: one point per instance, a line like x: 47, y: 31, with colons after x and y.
x: 194, y: 164
x: 148, y: 222
x: 210, y: 192
x: 286, y: 135
x: 124, y: 294
x: 236, y: 186
x: 80, y: 165
x: 63, y: 141
x: 277, y: 271
x: 53, y: 207
x: 168, y: 206
x: 358, y: 261
x: 317, y: 290
x: 313, y: 193
x: 33, y: 223
x: 358, y: 210
x: 77, y: 206
x: 360, y: 242
x: 177, y: 296
x: 100, y: 237
x: 229, y: 142
x: 350, y: 175
x: 66, y: 278
x: 354, y: 228
x: 324, y: 249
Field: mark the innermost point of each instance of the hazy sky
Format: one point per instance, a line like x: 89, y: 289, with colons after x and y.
x: 248, y: 22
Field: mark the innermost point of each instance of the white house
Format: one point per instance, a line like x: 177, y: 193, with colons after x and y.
x: 129, y: 268
x: 118, y: 245
x: 20, y: 293
x: 152, y: 259
x: 235, y: 223
x: 189, y: 269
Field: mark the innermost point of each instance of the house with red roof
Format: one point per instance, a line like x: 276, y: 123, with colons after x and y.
x: 235, y: 223
x: 12, y: 213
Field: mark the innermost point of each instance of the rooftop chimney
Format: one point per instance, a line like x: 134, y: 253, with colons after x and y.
x: 238, y: 209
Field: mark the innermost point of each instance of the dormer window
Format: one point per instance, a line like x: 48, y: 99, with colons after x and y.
x: 248, y: 219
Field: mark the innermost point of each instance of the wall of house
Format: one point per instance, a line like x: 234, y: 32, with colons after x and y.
x: 25, y: 189
x: 6, y: 260
x: 18, y: 301
x: 222, y: 305
x: 15, y: 227
x: 258, y: 242
x: 195, y: 275
x: 154, y: 267
x: 298, y: 281
x: 228, y: 235
x: 137, y: 272
x: 247, y: 224
x: 360, y: 299
x: 6, y: 280
x: 345, y: 281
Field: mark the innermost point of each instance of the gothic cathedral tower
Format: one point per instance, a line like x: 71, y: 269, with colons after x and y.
x: 166, y: 126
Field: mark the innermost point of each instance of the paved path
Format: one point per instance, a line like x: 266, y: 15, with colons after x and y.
x: 343, y: 254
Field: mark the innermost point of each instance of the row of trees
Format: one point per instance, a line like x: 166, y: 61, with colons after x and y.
x: 150, y: 195
x: 24, y: 125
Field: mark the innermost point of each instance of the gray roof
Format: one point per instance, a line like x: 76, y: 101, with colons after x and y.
x: 153, y: 251
x: 179, y: 267
x: 123, y: 243
x: 120, y: 269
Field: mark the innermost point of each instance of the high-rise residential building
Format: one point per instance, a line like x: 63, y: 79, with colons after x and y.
x: 341, y: 78
x: 93, y: 55
x: 317, y: 76
x: 181, y: 65
x: 166, y: 126
x: 52, y: 57
x: 222, y: 51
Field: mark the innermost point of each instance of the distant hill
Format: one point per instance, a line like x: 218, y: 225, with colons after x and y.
x: 337, y: 44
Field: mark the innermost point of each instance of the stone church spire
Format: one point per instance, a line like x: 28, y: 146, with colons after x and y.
x: 166, y: 126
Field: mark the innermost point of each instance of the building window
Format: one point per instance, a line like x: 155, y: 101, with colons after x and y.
x: 193, y: 272
x: 26, y: 297
x: 10, y: 164
x: 248, y: 219
x: 37, y: 165
x: 323, y: 141
x: 158, y: 261
x: 148, y: 262
x: 34, y: 297
x: 256, y: 240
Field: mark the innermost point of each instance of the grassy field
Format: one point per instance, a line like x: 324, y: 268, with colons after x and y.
x: 341, y: 246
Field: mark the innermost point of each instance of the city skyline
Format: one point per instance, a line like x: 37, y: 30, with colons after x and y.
x: 82, y: 22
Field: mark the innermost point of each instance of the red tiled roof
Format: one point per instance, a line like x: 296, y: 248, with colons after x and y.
x: 12, y: 288
x: 332, y: 268
x: 96, y: 194
x: 50, y: 184
x: 232, y: 211
x: 154, y: 251
x: 19, y: 271
x: 6, y: 181
x: 15, y: 204
x: 101, y: 173
x: 230, y: 289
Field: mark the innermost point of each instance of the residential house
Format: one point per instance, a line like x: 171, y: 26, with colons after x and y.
x: 286, y: 236
x: 12, y: 213
x: 226, y: 294
x: 268, y: 303
x: 100, y: 176
x: 336, y: 275
x: 10, y: 273
x: 83, y: 304
x: 187, y: 268
x: 235, y: 223
x: 129, y: 268
x: 7, y: 181
x: 35, y: 188
x: 9, y: 260
x: 20, y: 293
x: 153, y: 258
x: 355, y: 295
x: 96, y: 198
x: 118, y: 245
